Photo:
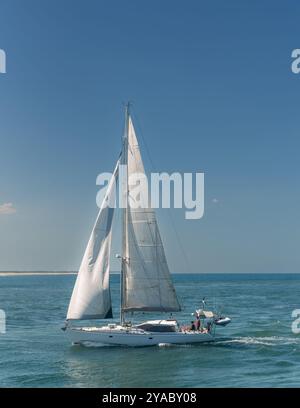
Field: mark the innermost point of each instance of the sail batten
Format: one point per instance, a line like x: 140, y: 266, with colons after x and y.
x: 91, y: 297
x: 148, y: 284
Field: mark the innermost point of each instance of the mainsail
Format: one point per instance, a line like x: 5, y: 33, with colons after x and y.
x: 91, y: 295
x: 147, y: 284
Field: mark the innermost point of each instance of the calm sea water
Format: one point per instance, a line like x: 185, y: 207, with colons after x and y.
x: 258, y: 349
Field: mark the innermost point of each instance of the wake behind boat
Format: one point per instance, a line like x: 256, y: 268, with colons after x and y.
x: 145, y: 282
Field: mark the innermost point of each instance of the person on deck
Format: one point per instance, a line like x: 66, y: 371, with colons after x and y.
x: 192, y: 328
x: 198, y: 323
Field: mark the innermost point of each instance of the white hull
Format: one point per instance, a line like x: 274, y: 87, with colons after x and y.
x: 121, y: 336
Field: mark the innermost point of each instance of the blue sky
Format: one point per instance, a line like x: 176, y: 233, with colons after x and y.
x: 212, y: 90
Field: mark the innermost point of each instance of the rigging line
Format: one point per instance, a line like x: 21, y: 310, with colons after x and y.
x: 154, y: 168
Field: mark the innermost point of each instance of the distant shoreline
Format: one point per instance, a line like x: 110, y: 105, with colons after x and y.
x: 36, y: 273
x: 207, y: 274
x: 40, y: 273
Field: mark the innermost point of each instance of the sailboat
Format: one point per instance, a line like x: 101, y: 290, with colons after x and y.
x: 145, y: 280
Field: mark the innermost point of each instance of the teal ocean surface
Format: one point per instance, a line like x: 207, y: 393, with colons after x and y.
x: 258, y: 349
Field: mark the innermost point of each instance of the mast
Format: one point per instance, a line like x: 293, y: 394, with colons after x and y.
x: 125, y: 212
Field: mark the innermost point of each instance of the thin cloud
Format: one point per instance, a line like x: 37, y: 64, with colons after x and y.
x: 215, y: 200
x: 7, y: 209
